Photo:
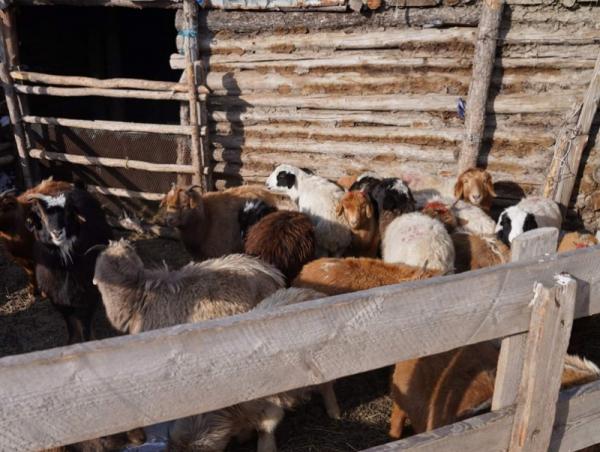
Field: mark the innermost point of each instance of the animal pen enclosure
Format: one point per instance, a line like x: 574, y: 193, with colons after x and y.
x: 317, y: 84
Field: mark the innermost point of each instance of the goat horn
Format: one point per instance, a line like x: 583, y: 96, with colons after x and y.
x: 10, y: 191
x: 194, y: 186
x: 99, y: 247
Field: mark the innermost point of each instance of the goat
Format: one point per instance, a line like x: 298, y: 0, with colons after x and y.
x: 391, y: 198
x: 284, y: 239
x: 530, y: 213
x: 252, y: 212
x: 418, y: 240
x: 214, y: 430
x: 474, y: 251
x: 318, y: 198
x: 437, y: 390
x: 66, y: 228
x: 338, y: 276
x: 208, y: 224
x: 17, y: 238
x: 475, y: 186
x: 571, y: 241
x: 139, y: 299
x: 358, y: 210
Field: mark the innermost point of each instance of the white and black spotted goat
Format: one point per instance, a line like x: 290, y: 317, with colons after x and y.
x: 530, y: 213
x: 67, y: 226
x: 318, y: 198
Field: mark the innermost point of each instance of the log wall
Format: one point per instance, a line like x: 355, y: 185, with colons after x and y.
x: 348, y: 92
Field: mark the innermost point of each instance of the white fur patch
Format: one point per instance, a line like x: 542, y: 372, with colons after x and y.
x: 65, y: 248
x: 250, y: 205
x: 367, y: 174
x: 54, y: 201
x: 517, y: 219
x: 400, y: 187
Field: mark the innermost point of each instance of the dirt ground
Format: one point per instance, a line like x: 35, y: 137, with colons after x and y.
x: 27, y: 325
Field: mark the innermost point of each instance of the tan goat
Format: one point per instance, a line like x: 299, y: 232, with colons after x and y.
x: 208, y: 224
x: 437, y: 390
x: 576, y: 240
x: 336, y: 276
x: 358, y: 210
x: 475, y: 186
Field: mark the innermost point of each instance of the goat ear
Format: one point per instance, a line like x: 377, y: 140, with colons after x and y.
x: 490, y: 186
x: 369, y: 210
x: 459, y: 188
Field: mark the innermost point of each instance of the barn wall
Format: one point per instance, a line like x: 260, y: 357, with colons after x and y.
x: 346, y: 92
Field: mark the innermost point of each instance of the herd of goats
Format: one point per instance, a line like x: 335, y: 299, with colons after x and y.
x: 302, y: 237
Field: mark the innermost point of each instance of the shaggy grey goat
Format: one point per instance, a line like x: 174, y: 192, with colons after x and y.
x: 212, y: 431
x: 140, y: 299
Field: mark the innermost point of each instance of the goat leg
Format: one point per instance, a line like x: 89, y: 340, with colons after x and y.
x: 397, y: 421
x: 266, y: 435
x: 330, y: 400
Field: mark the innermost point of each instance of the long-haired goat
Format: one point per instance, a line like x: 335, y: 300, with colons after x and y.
x: 139, y: 299
x: 284, y: 239
x: 67, y: 226
x: 437, y: 390
x: 475, y: 186
x: 418, y: 240
x: 337, y: 276
x: 14, y: 234
x: 208, y: 224
x: 214, y: 430
x: 358, y: 210
x: 318, y: 198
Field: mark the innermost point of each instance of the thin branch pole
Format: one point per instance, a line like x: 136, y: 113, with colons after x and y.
x: 101, y: 92
x: 483, y: 65
x: 6, y: 56
x: 113, y: 126
x: 571, y: 141
x: 111, y: 162
x: 190, y: 34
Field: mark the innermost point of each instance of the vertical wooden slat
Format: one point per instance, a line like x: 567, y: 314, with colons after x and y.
x: 530, y: 245
x: 549, y: 332
x: 190, y: 36
x: 200, y: 72
x: 183, y: 143
x: 570, y: 144
x: 483, y: 64
x: 7, y: 48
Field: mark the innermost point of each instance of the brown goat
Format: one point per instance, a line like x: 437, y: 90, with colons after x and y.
x: 337, y: 276
x: 284, y: 239
x: 475, y: 186
x: 358, y: 210
x: 346, y: 181
x: 437, y: 390
x: 475, y: 251
x: 576, y: 240
x: 208, y: 224
x: 442, y: 212
x: 17, y: 238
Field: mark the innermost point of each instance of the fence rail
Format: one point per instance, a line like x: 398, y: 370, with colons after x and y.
x: 87, y: 390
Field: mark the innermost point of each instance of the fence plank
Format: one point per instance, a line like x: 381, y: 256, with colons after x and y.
x: 575, y: 427
x: 547, y: 341
x: 530, y: 245
x: 87, y: 390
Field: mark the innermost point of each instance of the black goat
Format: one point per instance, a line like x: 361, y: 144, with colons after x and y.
x: 66, y: 227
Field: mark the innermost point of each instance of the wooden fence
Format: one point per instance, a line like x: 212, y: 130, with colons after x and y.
x: 73, y: 393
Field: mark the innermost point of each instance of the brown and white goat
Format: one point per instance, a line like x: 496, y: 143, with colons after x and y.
x: 337, y: 276
x: 358, y: 210
x: 437, y: 390
x: 475, y: 186
x: 15, y: 236
x: 473, y: 251
x: 208, y: 224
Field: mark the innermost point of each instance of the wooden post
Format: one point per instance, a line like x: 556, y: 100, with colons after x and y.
x: 7, y: 56
x: 530, y: 245
x: 483, y: 65
x: 183, y: 143
x: 570, y: 144
x: 549, y: 332
x: 190, y: 35
x: 201, y: 80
